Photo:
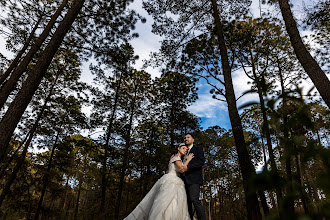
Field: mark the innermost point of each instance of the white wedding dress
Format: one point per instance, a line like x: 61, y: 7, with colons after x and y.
x: 167, y: 199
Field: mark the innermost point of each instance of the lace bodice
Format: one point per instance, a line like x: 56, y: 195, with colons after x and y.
x: 172, y: 168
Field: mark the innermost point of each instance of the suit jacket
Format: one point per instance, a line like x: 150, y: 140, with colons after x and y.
x: 194, y: 175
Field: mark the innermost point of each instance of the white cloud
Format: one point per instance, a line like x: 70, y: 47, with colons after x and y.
x: 147, y: 42
x: 206, y: 106
x: 240, y: 82
x: 142, y: 47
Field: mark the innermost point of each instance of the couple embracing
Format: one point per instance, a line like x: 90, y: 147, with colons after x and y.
x: 174, y: 194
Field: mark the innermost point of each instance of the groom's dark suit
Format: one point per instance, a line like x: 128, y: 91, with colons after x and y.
x: 193, y: 179
x: 194, y: 175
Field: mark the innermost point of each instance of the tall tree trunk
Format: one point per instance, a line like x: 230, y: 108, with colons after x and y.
x: 210, y: 214
x: 288, y: 208
x: 304, y: 197
x: 14, y: 63
x: 127, y: 194
x: 5, y: 164
x: 21, y: 159
x: 318, y: 137
x: 263, y: 202
x: 125, y: 162
x: 266, y: 130
x: 9, y: 86
x: 46, y: 179
x: 309, y: 64
x: 77, y: 202
x: 29, y: 209
x: 63, y: 199
x: 106, y: 147
x: 264, y: 152
x: 220, y: 196
x: 142, y: 183
x: 23, y: 98
x: 246, y: 166
x: 272, y: 199
x: 172, y: 125
x: 30, y: 134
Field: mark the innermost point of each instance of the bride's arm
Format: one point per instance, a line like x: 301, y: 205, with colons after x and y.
x: 180, y: 165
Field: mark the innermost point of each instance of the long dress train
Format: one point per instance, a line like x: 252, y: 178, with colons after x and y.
x: 167, y: 199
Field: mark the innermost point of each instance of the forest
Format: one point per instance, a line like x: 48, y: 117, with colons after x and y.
x: 76, y: 150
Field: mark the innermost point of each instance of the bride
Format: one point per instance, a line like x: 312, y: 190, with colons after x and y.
x: 167, y: 199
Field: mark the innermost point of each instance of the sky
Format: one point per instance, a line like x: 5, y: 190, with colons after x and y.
x: 212, y: 112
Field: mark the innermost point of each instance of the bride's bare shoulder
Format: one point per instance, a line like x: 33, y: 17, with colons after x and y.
x: 174, y: 158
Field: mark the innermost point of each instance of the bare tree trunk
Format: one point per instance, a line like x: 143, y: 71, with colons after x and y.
x: 210, y: 214
x: 28, y: 213
x: 304, y: 197
x: 263, y: 202
x: 26, y: 146
x: 23, y: 98
x: 127, y: 194
x: 46, y: 179
x: 106, y: 148
x: 264, y: 152
x: 272, y: 199
x: 267, y: 133
x: 9, y: 86
x: 246, y: 166
x: 125, y: 162
x: 309, y: 64
x: 63, y: 200
x: 288, y: 208
x: 77, y: 203
x: 30, y: 134
x: 5, y: 164
x: 172, y: 125
x: 318, y: 137
x: 13, y: 64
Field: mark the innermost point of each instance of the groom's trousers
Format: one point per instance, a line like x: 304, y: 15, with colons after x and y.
x: 193, y: 199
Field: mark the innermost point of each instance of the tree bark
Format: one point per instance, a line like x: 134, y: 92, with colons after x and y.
x: 23, y: 98
x: 263, y: 202
x: 106, y: 147
x: 9, y: 86
x: 309, y: 64
x: 267, y: 131
x: 21, y: 159
x: 288, y: 208
x: 272, y: 199
x: 304, y: 198
x: 5, y: 164
x: 77, y: 202
x: 65, y: 194
x: 246, y: 166
x: 125, y: 162
x: 13, y: 64
x: 46, y: 179
x: 28, y: 137
x: 264, y: 152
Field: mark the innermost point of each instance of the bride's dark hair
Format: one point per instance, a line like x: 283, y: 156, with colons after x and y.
x: 175, y: 150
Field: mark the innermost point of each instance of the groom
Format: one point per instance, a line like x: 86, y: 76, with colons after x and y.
x: 192, y: 176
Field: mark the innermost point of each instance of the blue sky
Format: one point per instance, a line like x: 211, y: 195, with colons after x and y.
x: 212, y: 112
